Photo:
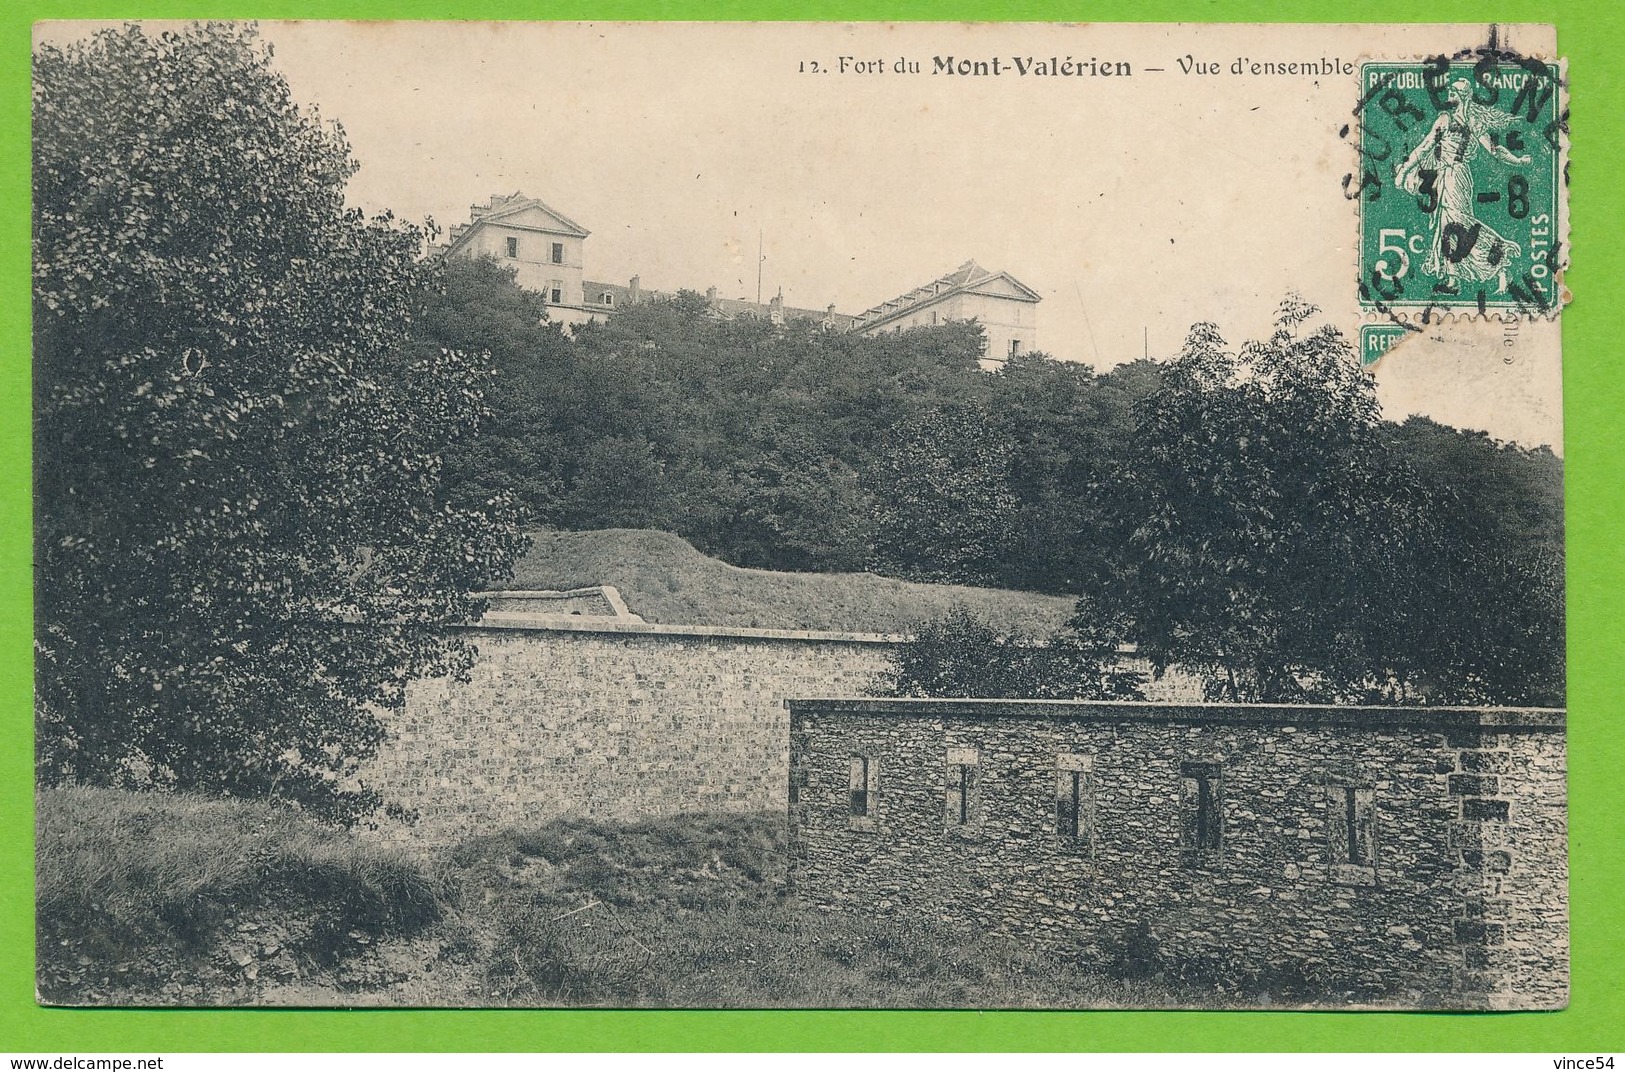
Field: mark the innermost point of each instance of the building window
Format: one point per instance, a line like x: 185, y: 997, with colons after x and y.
x: 863, y: 796
x: 555, y: 293
x: 1202, y: 805
x: 606, y: 298
x: 513, y: 247
x: 1015, y: 347
x: 960, y: 810
x: 1351, y: 827
x: 558, y: 252
x: 1074, y: 802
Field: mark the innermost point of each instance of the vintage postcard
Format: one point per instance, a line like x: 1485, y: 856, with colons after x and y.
x: 800, y: 515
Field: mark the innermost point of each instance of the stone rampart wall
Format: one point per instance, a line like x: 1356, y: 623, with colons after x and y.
x: 608, y: 719
x: 1395, y: 856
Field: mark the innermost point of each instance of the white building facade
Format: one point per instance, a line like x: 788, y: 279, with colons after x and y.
x: 546, y: 249
x: 1005, y: 307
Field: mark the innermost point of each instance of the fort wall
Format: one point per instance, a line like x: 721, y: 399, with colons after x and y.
x: 1381, y: 854
x: 610, y: 719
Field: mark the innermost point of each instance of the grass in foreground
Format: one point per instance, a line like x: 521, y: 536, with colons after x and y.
x: 148, y: 899
x: 188, y: 899
x: 691, y: 911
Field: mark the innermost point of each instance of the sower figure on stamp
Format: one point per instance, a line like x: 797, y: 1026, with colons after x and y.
x: 1439, y: 173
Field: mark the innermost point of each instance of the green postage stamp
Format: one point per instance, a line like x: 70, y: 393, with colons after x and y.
x: 1460, y: 185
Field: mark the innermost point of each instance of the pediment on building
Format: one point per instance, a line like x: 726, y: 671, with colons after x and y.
x: 535, y: 216
x: 515, y: 210
x: 1004, y: 285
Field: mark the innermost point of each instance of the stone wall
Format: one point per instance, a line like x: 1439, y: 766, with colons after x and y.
x: 1413, y: 857
x: 610, y: 719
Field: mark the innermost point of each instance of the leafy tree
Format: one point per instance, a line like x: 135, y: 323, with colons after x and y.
x: 1266, y: 535
x: 757, y: 442
x: 521, y: 448
x: 961, y: 655
x: 945, y: 498
x: 797, y: 508
x: 1490, y: 593
x: 244, y: 543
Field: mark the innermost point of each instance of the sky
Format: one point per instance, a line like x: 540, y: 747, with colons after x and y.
x: 1135, y: 206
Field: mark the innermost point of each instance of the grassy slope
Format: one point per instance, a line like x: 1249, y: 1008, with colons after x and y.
x: 666, y: 580
x: 147, y: 899
x: 172, y: 899
x: 692, y: 911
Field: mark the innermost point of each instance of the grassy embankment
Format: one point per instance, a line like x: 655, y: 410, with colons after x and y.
x: 148, y: 899
x: 666, y: 580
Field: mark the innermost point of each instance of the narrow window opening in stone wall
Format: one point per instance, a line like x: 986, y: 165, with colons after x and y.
x: 1351, y: 826
x: 513, y: 247
x: 1202, y: 804
x: 960, y: 808
x: 863, y: 792
x: 1074, y: 802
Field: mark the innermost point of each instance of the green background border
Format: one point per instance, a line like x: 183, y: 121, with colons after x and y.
x: 1591, y: 35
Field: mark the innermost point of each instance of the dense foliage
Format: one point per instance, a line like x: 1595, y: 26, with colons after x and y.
x: 1245, y: 512
x: 244, y: 546
x: 267, y: 474
x: 962, y: 655
x: 1271, y: 530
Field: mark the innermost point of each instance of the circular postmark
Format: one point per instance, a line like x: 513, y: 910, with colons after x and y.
x: 1459, y: 186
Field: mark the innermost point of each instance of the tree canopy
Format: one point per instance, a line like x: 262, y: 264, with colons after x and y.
x: 1273, y: 531
x: 244, y: 539
x: 790, y: 447
x: 1241, y: 510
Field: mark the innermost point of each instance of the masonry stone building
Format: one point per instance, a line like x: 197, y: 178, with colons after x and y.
x: 1411, y: 857
x: 576, y: 706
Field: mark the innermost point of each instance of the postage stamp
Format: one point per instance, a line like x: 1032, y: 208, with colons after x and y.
x: 1461, y: 185
x: 1376, y: 340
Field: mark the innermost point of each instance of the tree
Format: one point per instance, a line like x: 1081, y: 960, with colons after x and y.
x: 961, y: 655
x: 1267, y: 534
x: 1066, y: 427
x: 1491, y: 591
x: 520, y: 448
x: 244, y: 549
x: 945, y: 503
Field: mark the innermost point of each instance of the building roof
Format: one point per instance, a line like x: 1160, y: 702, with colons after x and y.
x: 969, y: 277
x: 506, y: 208
x: 592, y: 293
x: 732, y: 308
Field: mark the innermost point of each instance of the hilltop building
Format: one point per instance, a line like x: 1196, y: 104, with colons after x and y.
x: 547, y: 251
x: 542, y: 245
x: 1004, y: 306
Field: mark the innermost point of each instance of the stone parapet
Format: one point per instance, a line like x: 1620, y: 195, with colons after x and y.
x: 606, y: 718
x: 1410, y: 857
